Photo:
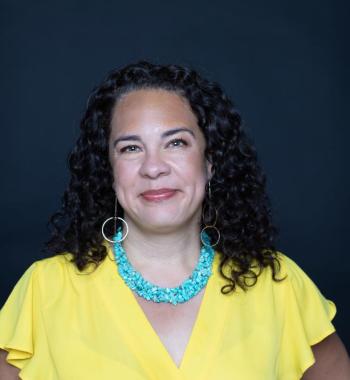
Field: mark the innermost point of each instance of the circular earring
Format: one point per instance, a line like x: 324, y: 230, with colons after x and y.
x: 212, y: 225
x: 115, y: 218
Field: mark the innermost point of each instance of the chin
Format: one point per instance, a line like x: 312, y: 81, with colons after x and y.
x: 161, y: 223
x: 162, y: 228
x: 164, y: 217
x: 156, y: 218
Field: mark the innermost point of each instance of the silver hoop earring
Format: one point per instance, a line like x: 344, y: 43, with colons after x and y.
x: 212, y: 225
x: 115, y: 218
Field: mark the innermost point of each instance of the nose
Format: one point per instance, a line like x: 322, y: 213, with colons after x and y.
x: 153, y: 165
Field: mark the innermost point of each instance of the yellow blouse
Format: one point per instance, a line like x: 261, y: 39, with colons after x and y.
x: 59, y: 324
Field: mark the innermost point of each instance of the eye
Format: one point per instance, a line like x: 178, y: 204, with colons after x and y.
x: 129, y: 149
x: 177, y: 142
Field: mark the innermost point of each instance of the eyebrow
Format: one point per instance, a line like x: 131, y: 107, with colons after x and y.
x: 163, y: 135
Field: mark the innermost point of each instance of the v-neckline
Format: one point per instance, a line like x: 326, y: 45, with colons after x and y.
x: 146, y: 343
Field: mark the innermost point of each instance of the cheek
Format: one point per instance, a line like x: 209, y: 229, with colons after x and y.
x: 196, y: 170
x: 121, y: 168
x: 123, y: 175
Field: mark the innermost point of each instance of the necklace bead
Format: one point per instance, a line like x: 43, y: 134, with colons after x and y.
x: 151, y: 292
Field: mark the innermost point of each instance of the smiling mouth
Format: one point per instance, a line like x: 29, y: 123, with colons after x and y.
x: 158, y: 195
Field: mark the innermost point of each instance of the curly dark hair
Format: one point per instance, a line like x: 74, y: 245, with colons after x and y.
x: 238, y: 185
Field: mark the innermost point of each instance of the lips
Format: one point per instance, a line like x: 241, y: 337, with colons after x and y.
x: 158, y: 194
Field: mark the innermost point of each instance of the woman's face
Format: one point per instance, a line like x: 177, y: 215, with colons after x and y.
x: 156, y: 150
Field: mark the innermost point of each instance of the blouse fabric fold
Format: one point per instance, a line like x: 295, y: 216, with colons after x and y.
x: 62, y: 324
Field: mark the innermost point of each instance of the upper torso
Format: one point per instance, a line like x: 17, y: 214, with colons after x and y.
x: 173, y: 324
x: 90, y: 326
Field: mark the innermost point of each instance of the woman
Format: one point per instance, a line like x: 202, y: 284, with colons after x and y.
x: 162, y: 175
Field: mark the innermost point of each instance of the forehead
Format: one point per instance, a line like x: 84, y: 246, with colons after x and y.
x: 154, y: 107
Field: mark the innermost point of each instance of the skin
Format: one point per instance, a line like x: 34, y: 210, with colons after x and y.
x: 166, y: 151
x: 156, y: 160
x: 163, y: 242
x: 332, y: 360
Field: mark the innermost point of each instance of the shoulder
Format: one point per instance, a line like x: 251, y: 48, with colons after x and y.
x: 41, y: 272
x: 58, y: 261
x: 302, y: 297
x: 297, y: 280
x: 289, y: 270
x: 59, y: 265
x: 44, y: 275
x: 286, y: 271
x: 54, y: 276
x: 51, y: 268
x: 294, y: 278
x: 291, y: 288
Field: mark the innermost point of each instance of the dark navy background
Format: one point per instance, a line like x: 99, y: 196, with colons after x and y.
x: 285, y: 64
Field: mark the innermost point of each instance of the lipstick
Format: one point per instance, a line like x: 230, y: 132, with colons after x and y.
x: 158, y: 194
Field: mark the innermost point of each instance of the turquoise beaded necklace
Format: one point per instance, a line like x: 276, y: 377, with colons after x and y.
x: 151, y: 292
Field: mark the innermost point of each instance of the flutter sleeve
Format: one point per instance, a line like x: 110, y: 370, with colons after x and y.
x: 17, y: 320
x: 308, y: 316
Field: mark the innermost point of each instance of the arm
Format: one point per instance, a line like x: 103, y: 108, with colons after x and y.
x: 7, y: 371
x: 332, y: 360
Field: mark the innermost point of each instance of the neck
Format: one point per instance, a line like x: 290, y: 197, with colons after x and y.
x: 167, y: 256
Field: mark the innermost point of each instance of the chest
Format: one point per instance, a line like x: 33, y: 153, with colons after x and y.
x: 173, y: 324
x: 120, y: 335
